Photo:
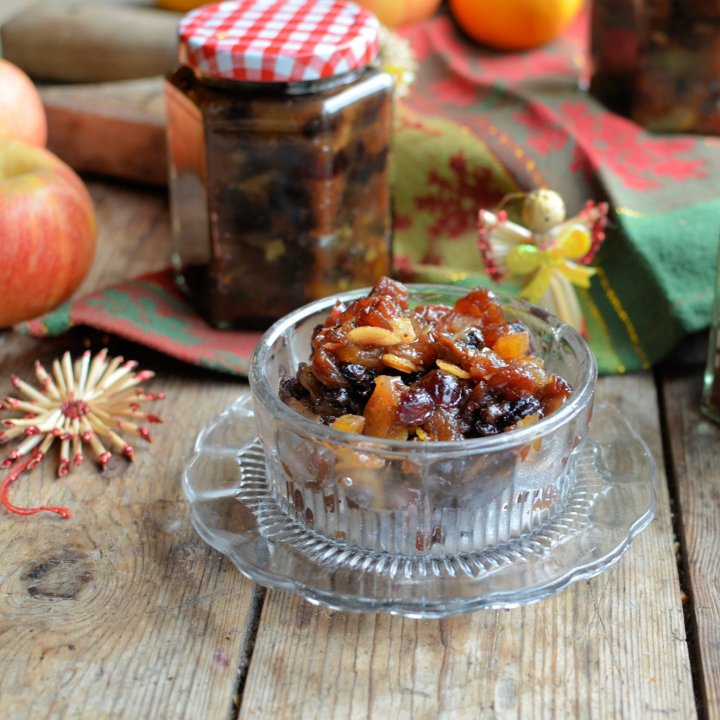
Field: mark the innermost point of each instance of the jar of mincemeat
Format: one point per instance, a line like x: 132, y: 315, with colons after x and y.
x: 279, y: 127
x: 658, y: 62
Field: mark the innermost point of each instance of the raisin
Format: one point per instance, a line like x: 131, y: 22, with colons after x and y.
x: 333, y: 403
x: 494, y: 413
x: 291, y: 388
x: 474, y: 338
x: 306, y: 378
x: 518, y: 409
x: 443, y: 388
x: 554, y: 394
x: 360, y: 376
x: 379, y: 312
x: 445, y: 424
x: 484, y: 429
x: 514, y: 381
x: 415, y: 407
x: 455, y: 350
x: 326, y: 370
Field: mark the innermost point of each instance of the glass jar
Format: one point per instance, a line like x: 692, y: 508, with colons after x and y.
x: 279, y: 131
x: 658, y: 62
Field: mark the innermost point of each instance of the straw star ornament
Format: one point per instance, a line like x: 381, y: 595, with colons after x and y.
x: 88, y: 402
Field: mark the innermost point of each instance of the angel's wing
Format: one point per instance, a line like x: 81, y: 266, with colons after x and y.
x: 497, y: 236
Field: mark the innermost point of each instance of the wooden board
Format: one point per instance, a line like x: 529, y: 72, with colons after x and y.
x: 695, y: 454
x: 76, y: 41
x: 613, y: 647
x: 114, y: 129
x: 121, y: 611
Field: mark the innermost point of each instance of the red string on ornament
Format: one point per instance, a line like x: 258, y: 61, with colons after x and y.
x: 63, y: 512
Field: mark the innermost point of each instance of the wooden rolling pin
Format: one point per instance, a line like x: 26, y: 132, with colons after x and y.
x: 72, y: 41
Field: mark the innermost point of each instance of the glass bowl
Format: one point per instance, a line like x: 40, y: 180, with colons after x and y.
x: 420, y: 498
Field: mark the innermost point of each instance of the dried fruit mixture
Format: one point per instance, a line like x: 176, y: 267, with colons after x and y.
x: 432, y: 372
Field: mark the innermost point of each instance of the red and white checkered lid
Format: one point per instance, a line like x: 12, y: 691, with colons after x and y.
x: 278, y: 40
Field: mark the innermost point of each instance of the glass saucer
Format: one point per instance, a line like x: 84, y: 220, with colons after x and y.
x: 612, y: 500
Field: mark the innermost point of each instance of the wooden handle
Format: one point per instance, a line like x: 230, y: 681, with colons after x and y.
x: 88, y: 42
x: 115, y: 129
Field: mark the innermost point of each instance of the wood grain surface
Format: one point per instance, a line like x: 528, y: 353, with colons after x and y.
x: 121, y: 611
x: 695, y: 454
x: 124, y: 612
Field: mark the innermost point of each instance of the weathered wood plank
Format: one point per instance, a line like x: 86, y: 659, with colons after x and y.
x: 613, y: 647
x: 121, y: 611
x: 695, y: 448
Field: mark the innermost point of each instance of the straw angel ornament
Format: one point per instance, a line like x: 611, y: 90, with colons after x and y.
x: 549, y: 251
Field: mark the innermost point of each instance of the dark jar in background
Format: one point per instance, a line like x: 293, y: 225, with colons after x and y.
x: 279, y: 130
x: 658, y: 62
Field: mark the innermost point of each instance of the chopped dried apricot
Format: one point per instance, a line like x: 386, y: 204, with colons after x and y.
x: 510, y: 347
x: 382, y: 409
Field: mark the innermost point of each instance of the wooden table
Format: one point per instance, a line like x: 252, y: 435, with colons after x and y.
x: 124, y: 612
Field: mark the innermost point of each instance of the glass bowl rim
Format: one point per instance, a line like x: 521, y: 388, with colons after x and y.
x: 263, y: 393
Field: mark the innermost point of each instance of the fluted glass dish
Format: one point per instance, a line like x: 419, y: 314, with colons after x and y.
x: 414, y: 498
x: 425, y: 529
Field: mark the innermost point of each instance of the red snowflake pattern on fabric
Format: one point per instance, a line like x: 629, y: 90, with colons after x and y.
x: 546, y: 136
x: 412, y: 122
x: 457, y: 91
x: 639, y: 160
x: 404, y: 268
x: 456, y: 199
x: 431, y: 258
x: 402, y: 222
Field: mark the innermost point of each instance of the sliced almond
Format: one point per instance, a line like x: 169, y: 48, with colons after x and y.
x: 398, y: 363
x: 371, y: 335
x: 403, y: 329
x: 453, y: 369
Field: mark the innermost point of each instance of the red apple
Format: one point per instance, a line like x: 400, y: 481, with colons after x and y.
x: 22, y: 115
x: 47, y: 232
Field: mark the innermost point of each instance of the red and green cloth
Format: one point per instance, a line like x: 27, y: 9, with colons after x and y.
x: 475, y: 126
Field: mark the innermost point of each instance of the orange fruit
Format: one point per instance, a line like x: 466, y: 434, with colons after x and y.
x: 394, y: 13
x: 514, y: 24
x: 182, y: 6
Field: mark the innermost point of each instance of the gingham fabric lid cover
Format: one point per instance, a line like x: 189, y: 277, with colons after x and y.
x: 278, y: 40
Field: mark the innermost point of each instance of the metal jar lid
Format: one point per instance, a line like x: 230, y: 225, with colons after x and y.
x: 278, y: 40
